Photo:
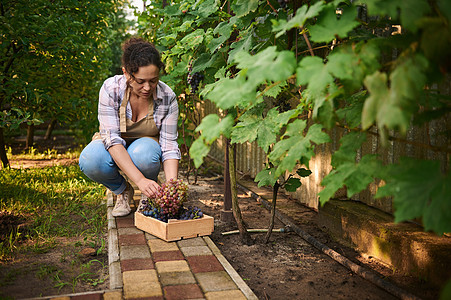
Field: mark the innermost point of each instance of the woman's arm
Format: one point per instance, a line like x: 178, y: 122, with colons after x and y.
x: 121, y: 157
x: 171, y: 168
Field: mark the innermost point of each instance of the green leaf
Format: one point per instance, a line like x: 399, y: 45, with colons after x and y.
x: 267, y: 65
x: 244, y: 44
x: 229, y: 92
x: 243, y: 7
x: 198, y: 151
x: 266, y: 178
x: 295, y: 147
x: 303, y: 172
x: 355, y: 176
x: 331, y: 24
x: 389, y: 107
x: 314, y: 72
x: 420, y: 189
x: 349, y: 144
x: 292, y: 184
x: 193, y: 39
x: 204, y: 61
x: 410, y: 11
x: 212, y: 127
x: 302, y: 15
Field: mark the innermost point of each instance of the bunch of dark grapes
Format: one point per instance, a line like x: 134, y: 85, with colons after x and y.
x: 194, y: 79
x: 168, y: 203
x: 191, y: 213
x: 283, y: 3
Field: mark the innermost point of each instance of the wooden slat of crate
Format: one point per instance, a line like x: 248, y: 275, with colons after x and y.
x: 175, y: 229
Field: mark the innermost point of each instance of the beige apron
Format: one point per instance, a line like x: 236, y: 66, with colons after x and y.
x: 130, y: 130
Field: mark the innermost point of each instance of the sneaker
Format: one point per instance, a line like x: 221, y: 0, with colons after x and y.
x: 142, y: 202
x: 122, y: 207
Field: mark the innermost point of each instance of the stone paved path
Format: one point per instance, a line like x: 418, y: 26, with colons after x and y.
x: 142, y: 266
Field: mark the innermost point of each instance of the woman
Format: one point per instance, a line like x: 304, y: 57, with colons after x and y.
x: 138, y: 128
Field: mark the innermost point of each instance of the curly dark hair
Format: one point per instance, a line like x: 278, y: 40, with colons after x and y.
x: 137, y: 52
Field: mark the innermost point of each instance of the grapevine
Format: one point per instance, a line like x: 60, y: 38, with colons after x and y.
x: 168, y: 203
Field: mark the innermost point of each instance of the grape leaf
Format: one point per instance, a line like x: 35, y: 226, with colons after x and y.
x: 268, y: 64
x: 198, y: 151
x: 349, y: 144
x: 314, y: 72
x: 212, y: 127
x: 302, y: 14
x: 204, y: 61
x: 229, y: 92
x: 410, y: 11
x: 388, y: 107
x: 265, y: 178
x: 292, y: 184
x: 244, y: 44
x: 275, y: 90
x: 330, y: 25
x: 206, y: 8
x: 303, y: 172
x: 355, y: 176
x: 295, y: 147
x: 193, y: 39
x: 420, y: 189
x: 265, y: 130
x: 243, y: 7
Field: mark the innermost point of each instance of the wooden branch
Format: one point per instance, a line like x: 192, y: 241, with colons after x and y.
x: 307, y: 41
x: 274, y: 10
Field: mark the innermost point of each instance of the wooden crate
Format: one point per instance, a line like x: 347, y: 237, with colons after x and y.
x: 175, y: 229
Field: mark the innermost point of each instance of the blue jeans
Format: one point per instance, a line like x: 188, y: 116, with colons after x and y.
x: 98, y: 165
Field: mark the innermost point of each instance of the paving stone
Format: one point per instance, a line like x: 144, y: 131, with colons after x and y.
x: 96, y: 296
x: 140, y: 284
x: 179, y: 292
x: 147, y: 298
x: 171, y: 266
x: 137, y: 264
x: 136, y: 251
x: 150, y: 236
x: 195, y: 251
x: 204, y: 263
x: 115, y: 275
x: 215, y: 281
x: 61, y: 298
x: 191, y: 242
x: 113, y: 246
x: 132, y: 239
x: 129, y: 230
x: 176, y: 278
x: 167, y: 255
x: 113, y: 295
x: 221, y: 295
x: 157, y: 245
x: 122, y: 222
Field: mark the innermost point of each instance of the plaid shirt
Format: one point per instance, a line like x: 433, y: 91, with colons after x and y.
x: 165, y: 114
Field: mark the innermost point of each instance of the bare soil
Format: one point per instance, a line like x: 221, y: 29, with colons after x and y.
x: 288, y: 267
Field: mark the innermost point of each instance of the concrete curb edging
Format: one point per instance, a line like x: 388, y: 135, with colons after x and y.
x: 248, y: 293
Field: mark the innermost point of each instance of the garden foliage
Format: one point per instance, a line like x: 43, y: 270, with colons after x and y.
x: 339, y: 62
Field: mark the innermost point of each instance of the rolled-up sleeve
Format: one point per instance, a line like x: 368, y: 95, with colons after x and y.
x: 108, y: 114
x: 168, y: 131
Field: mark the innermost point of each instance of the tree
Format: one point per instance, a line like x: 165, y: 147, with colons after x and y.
x: 54, y: 56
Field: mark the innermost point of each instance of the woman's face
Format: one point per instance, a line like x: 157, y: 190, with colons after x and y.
x: 144, y: 82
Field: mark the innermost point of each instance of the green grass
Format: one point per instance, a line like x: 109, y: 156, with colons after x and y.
x: 50, y: 202
x: 33, y: 153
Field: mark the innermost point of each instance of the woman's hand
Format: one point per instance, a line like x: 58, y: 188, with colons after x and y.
x: 148, y: 187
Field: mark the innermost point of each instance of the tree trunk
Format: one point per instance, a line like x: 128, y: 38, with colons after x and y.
x: 3, y: 156
x: 275, y: 189
x: 244, y: 235
x: 50, y: 128
x: 30, y: 136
